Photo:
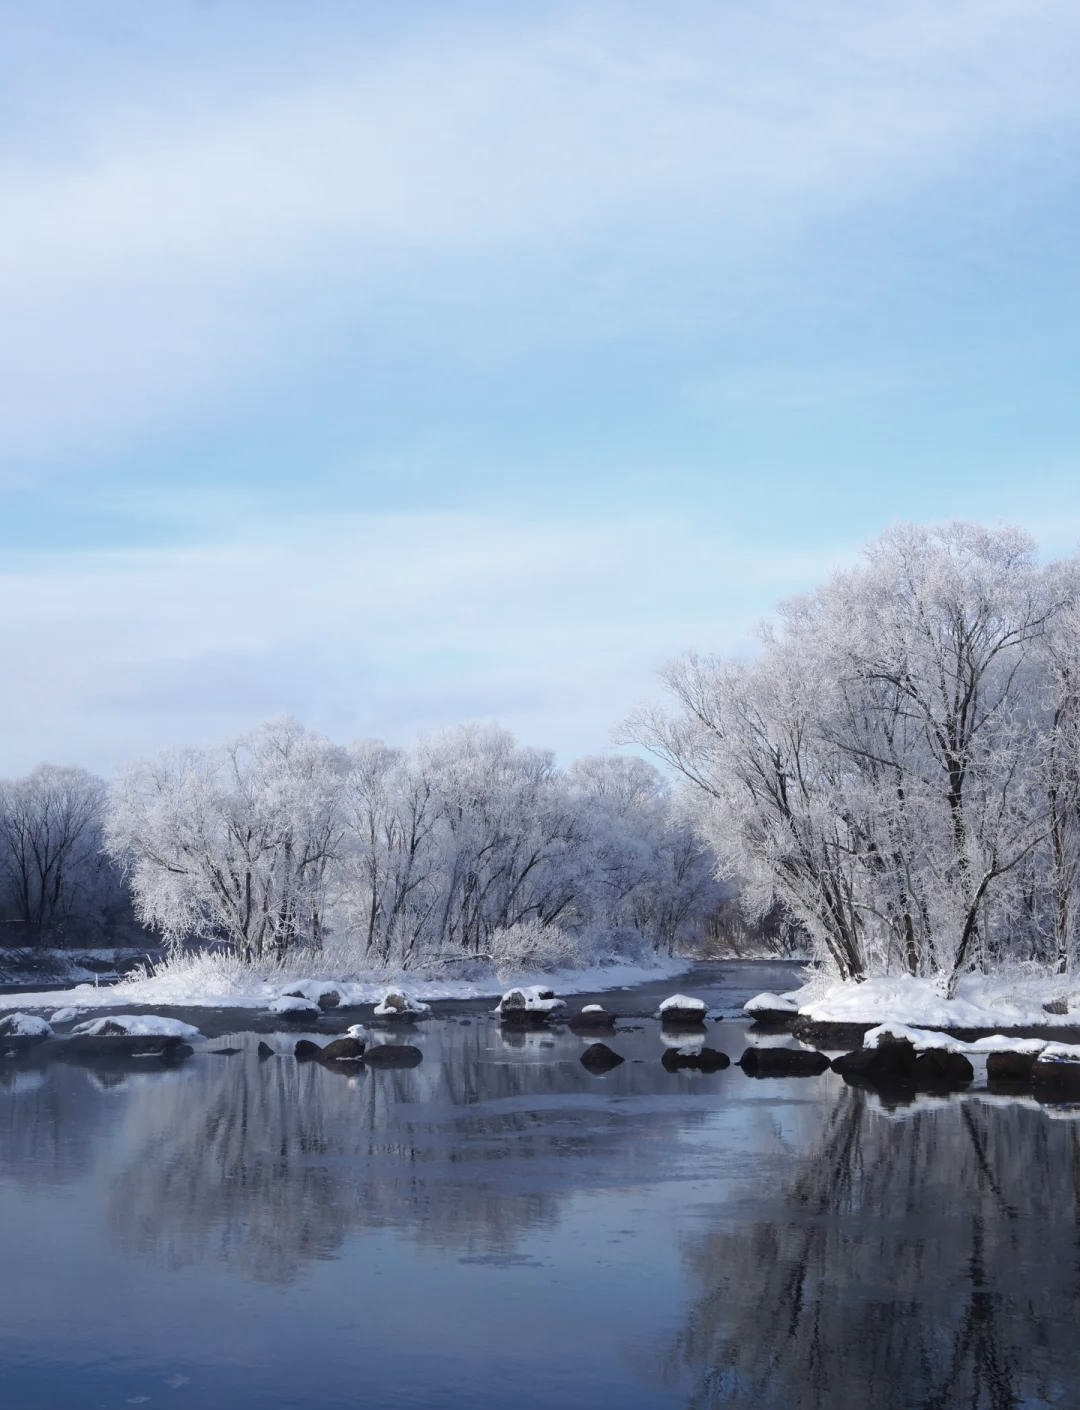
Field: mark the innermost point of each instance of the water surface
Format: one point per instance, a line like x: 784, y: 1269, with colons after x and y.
x: 498, y: 1228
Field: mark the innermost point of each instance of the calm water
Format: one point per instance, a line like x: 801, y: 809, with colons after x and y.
x: 497, y: 1228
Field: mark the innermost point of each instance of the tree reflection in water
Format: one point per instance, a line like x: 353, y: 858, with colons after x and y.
x: 926, y: 1259
x: 270, y: 1166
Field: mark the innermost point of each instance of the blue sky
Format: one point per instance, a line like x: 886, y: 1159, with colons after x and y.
x: 395, y: 365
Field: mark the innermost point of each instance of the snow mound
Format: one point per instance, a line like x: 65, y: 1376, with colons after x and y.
x: 593, y: 1008
x: 148, y: 1025
x: 319, y: 991
x: 65, y: 1015
x: 683, y: 1001
x: 1060, y: 1052
x: 776, y: 1003
x: 396, y: 1003
x: 289, y: 1003
x: 926, y: 1040
x: 531, y: 998
x: 24, y: 1025
x: 982, y: 1001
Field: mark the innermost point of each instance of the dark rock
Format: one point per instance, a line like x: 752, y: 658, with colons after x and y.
x: 177, y: 1051
x: 890, y: 1064
x: 1010, y: 1066
x: 941, y: 1070
x: 602, y: 1022
x: 830, y: 1035
x: 121, y: 1044
x: 598, y: 1058
x: 783, y: 1062
x: 224, y: 1052
x: 393, y: 1055
x: 342, y: 1050
x: 265, y: 1050
x: 683, y: 1018
x: 1056, y: 1006
x: 331, y: 999
x: 773, y: 1018
x: 696, y: 1060
x: 305, y: 1050
x: 1062, y: 1079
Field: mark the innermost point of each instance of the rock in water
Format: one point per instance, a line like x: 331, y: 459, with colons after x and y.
x: 342, y: 1050
x: 939, y: 1070
x: 592, y: 1019
x: 265, y: 1050
x: 783, y: 1062
x: 393, y: 1055
x: 1010, y: 1066
x: 890, y: 1064
x: 695, y: 1059
x: 598, y: 1058
x: 306, y: 1049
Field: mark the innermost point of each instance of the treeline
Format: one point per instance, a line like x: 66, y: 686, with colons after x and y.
x: 466, y: 846
x: 57, y: 883
x: 899, y: 766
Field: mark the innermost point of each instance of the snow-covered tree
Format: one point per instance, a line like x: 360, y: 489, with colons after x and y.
x: 234, y: 843
x: 895, y: 764
x: 54, y: 876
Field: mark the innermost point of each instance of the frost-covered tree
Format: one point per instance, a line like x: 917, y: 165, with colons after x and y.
x: 897, y: 766
x: 235, y: 843
x: 467, y: 847
x: 54, y: 875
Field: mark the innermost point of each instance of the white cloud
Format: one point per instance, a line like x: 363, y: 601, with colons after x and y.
x: 571, y: 175
x: 366, y: 624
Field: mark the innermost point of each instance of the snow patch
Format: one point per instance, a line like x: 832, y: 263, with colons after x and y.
x: 982, y: 1001
x: 682, y: 1001
x: 289, y: 1003
x: 24, y: 1025
x: 778, y: 1003
x: 395, y: 1003
x: 150, y: 1025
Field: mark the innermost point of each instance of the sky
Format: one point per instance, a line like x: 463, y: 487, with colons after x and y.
x: 397, y: 365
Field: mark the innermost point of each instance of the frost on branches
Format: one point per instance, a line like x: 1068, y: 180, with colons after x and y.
x: 899, y: 768
x: 467, y: 847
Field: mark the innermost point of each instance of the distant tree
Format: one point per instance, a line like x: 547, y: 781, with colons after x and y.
x: 54, y: 875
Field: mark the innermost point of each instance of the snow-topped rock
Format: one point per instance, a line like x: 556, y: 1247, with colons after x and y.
x: 65, y: 1015
x: 681, y: 1008
x: 143, y: 1025
x: 319, y: 991
x: 294, y: 1006
x: 24, y: 1025
x: 357, y: 1031
x: 396, y: 1003
x: 532, y: 999
x: 771, y: 1008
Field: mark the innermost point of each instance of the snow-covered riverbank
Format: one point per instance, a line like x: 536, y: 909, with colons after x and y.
x: 214, y: 981
x: 1018, y: 999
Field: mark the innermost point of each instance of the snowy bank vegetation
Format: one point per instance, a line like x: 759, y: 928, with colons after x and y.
x: 465, y: 849
x: 899, y: 767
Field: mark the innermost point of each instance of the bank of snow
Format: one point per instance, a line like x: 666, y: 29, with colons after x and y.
x: 221, y: 982
x: 1013, y: 1000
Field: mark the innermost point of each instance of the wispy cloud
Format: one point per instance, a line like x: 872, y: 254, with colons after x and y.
x: 556, y: 175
